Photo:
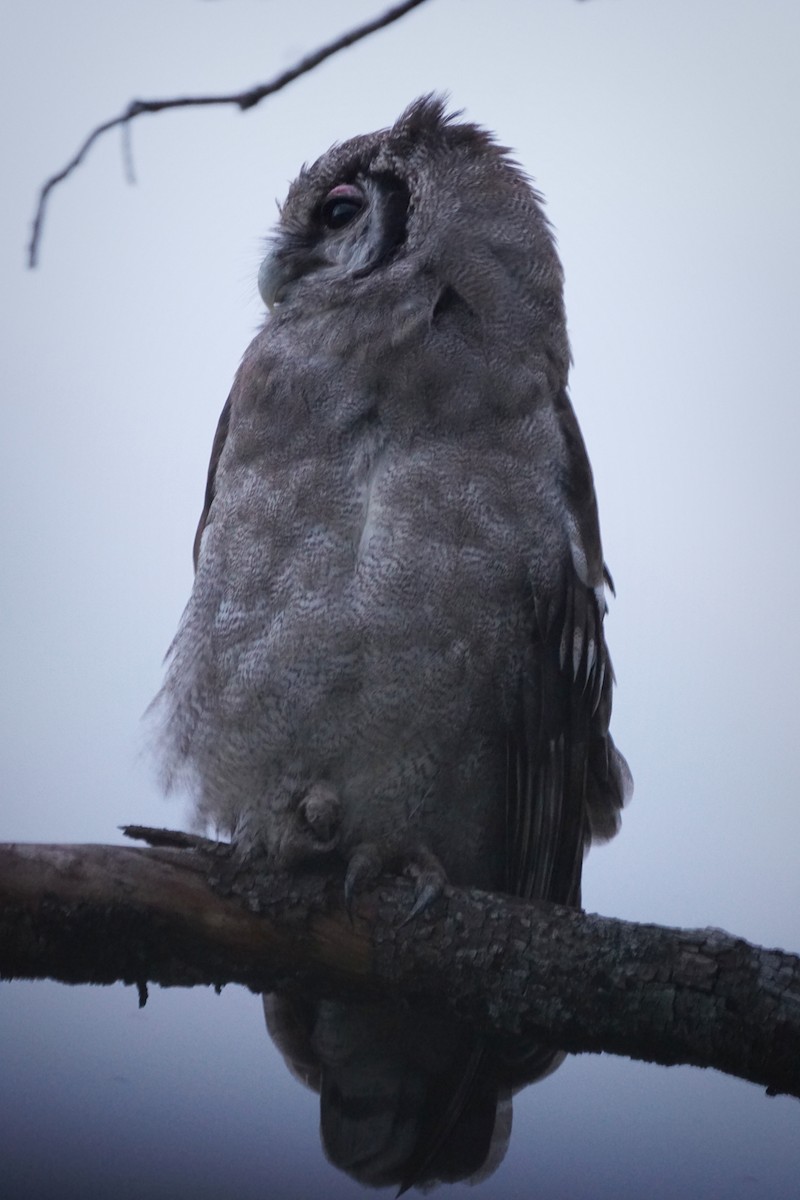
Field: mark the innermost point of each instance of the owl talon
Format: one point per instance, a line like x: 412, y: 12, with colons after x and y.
x: 429, y: 876
x: 424, y: 898
x: 367, y: 862
x: 363, y: 869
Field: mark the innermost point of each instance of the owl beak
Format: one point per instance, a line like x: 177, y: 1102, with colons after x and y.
x: 273, y: 277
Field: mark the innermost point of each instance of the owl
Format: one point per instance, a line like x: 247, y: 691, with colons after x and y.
x: 393, y: 657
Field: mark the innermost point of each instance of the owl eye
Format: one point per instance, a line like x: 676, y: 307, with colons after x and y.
x: 341, y: 205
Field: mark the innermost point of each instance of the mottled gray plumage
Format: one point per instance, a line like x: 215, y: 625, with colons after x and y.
x: 394, y: 651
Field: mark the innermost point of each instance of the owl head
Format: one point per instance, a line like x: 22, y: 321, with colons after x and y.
x: 431, y: 207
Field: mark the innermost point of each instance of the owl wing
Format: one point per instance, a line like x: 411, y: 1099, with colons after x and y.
x: 211, y: 479
x: 565, y: 781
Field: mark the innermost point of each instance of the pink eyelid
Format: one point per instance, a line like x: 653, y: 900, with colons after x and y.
x: 344, y: 191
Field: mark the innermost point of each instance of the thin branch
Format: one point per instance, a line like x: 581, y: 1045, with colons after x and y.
x: 242, y: 100
x: 185, y: 916
x: 127, y: 153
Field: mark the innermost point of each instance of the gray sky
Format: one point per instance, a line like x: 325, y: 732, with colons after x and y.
x: 663, y: 134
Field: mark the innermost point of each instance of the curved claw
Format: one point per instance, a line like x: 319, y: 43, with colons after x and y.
x: 364, y: 867
x: 429, y: 876
x: 424, y: 898
x: 368, y: 861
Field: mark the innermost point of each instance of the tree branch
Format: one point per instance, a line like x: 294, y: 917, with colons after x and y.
x: 243, y: 100
x: 181, y: 913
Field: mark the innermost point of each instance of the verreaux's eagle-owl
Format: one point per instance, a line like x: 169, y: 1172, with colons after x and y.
x: 393, y: 653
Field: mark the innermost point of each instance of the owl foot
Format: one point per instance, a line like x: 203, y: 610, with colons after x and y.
x: 368, y: 862
x: 319, y: 818
x: 309, y: 826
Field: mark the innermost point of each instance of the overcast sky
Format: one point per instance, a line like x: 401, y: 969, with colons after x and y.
x: 663, y: 134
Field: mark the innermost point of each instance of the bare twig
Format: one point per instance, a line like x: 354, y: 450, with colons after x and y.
x: 127, y: 153
x: 243, y: 101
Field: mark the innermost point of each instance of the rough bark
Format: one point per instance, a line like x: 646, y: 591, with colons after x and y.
x: 186, y: 916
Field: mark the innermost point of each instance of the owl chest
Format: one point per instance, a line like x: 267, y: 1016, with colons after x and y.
x: 342, y: 562
x: 317, y: 538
